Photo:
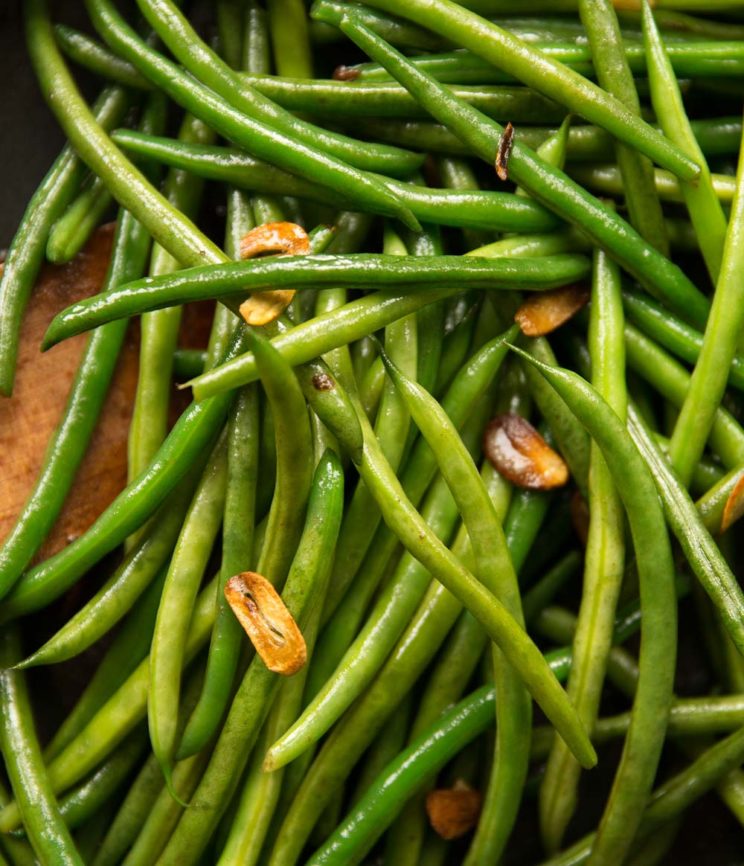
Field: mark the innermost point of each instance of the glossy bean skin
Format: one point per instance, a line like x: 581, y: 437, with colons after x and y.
x: 656, y: 574
x: 91, y: 54
x: 38, y: 807
x: 71, y: 231
x: 545, y: 183
x: 364, y: 270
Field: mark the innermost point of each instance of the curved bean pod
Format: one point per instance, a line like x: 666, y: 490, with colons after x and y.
x: 656, y: 575
x: 363, y: 270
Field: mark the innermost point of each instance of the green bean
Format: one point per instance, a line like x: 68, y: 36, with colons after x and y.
x: 704, y: 208
x: 71, y: 231
x: 289, y: 28
x: 405, y: 588
x: 193, y: 432
x: 545, y: 183
x: 159, y: 330
x: 717, y: 714
x: 82, y: 802
x: 606, y: 179
x: 701, y: 551
x: 29, y: 779
x: 693, y: 59
x: 476, y: 209
x: 294, y: 460
x: 517, y: 57
x: 261, y: 792
x: 614, y: 75
x: 391, y: 427
x: 115, y: 598
x: 406, y: 522
x: 653, y: 557
x: 708, y: 380
x: 494, y: 568
x: 132, y: 814
x: 26, y: 250
x: 90, y: 54
x: 254, y: 697
x: 605, y: 555
x: 672, y: 380
x: 672, y: 797
x: 395, y: 30
x: 116, y: 718
x: 130, y: 645
x: 344, y: 99
x: 233, y: 281
x: 84, y: 404
x: 185, y: 572
x: 209, y: 69
x: 126, y: 183
x: 585, y: 143
x: 260, y: 138
x: 673, y: 334
x: 237, y: 556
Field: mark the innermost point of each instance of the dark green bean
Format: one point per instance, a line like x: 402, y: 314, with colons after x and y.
x: 29, y: 779
x: 693, y: 59
x: 545, y: 183
x: 365, y: 270
x: 27, y: 248
x: 585, y: 143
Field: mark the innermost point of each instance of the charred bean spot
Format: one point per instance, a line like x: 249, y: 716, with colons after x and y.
x: 543, y: 312
x: 454, y: 811
x: 345, y: 73
x: 503, y: 152
x: 323, y: 382
x: 521, y: 455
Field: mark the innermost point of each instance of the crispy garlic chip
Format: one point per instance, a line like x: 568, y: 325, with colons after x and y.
x: 270, y: 626
x: 289, y: 239
x: 521, y: 454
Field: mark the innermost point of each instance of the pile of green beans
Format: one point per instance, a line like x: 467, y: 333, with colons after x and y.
x: 502, y: 524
